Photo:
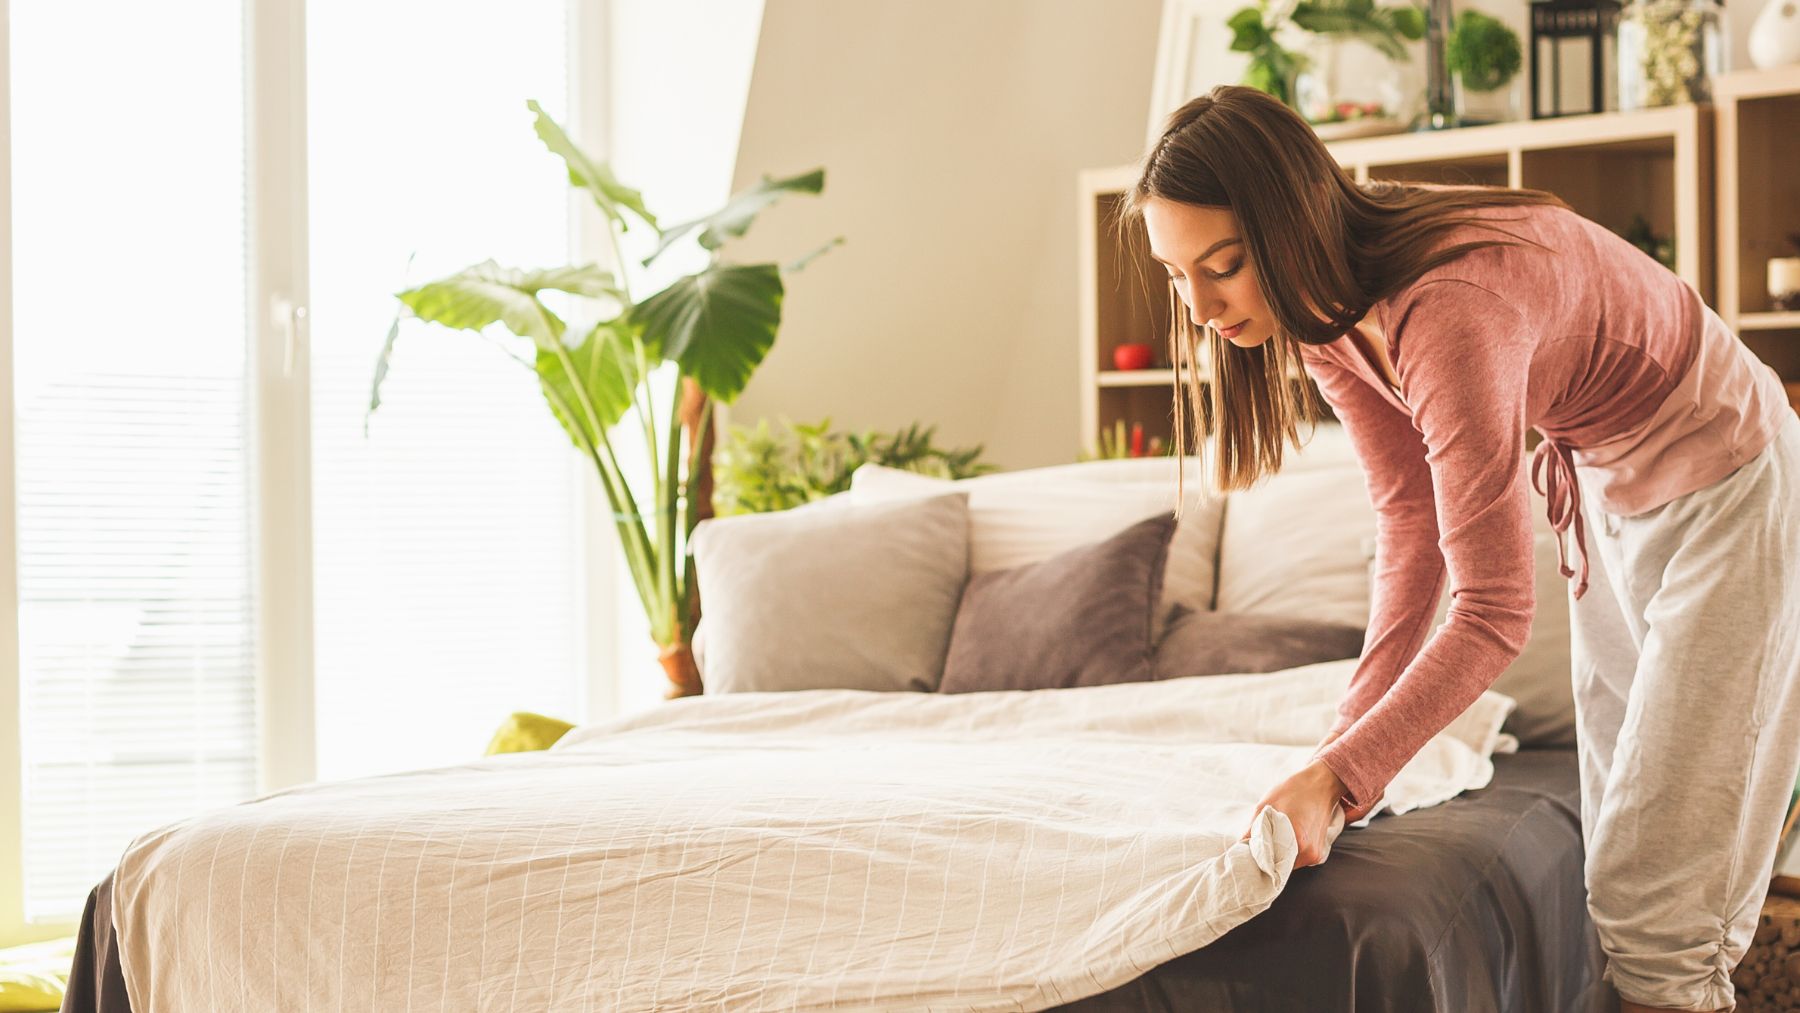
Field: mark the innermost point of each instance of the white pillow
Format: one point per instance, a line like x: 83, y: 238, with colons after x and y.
x: 1027, y: 516
x: 1293, y: 546
x: 834, y: 594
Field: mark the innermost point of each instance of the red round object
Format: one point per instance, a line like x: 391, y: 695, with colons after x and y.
x: 1134, y: 356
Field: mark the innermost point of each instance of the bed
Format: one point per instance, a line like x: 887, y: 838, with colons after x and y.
x: 1472, y: 906
x: 1070, y: 848
x: 1466, y: 904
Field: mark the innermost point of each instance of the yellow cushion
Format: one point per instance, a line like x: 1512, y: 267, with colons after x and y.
x: 525, y: 731
x: 32, y: 977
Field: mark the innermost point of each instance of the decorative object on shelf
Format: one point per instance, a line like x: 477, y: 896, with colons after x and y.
x: 1119, y: 442
x: 757, y: 470
x: 1640, y: 235
x: 713, y: 325
x: 1669, y: 52
x: 1484, y: 57
x: 1358, y: 77
x: 1582, y: 34
x: 1342, y: 64
x: 1784, y: 280
x: 1440, y: 92
x: 1136, y: 355
x: 1775, y: 34
x: 1784, y: 284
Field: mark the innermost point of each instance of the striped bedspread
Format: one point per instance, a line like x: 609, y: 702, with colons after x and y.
x: 806, y: 850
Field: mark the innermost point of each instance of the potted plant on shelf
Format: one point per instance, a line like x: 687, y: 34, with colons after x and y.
x: 1483, y: 56
x: 714, y: 325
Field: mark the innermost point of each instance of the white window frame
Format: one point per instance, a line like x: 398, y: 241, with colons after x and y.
x: 12, y: 844
x: 280, y: 405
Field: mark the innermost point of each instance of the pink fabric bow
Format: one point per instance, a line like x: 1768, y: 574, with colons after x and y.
x: 1553, y: 476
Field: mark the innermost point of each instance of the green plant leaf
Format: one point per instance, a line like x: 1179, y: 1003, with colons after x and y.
x: 734, y: 218
x: 1247, y: 30
x: 590, y: 174
x: 477, y: 296
x: 1408, y: 20
x: 717, y: 324
x: 603, y: 365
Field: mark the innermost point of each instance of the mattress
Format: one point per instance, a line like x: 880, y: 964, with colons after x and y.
x: 1471, y: 906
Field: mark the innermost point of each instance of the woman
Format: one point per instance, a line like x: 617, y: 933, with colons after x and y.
x: 1440, y: 323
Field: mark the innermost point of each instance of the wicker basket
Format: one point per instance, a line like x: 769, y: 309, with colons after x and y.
x: 1768, y: 979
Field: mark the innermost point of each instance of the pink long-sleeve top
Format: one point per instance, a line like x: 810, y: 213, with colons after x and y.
x: 1640, y: 392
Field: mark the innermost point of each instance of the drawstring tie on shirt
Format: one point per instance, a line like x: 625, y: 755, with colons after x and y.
x: 1553, y: 476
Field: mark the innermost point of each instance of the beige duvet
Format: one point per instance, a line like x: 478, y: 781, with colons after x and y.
x: 807, y: 850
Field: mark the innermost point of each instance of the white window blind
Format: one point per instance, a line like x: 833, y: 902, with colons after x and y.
x: 447, y: 576
x: 136, y: 643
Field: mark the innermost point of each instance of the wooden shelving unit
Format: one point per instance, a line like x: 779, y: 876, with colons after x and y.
x: 1609, y: 167
x: 1757, y: 116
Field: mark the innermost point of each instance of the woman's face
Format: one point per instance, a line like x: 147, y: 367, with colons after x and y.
x: 1210, y: 268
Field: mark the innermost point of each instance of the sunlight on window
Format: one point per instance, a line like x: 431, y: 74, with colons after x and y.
x: 136, y: 638
x: 446, y: 565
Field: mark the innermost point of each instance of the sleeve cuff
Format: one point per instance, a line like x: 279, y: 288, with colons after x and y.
x: 1361, y: 786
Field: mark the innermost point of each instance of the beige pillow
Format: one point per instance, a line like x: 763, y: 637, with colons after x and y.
x: 831, y: 595
x: 1028, y: 516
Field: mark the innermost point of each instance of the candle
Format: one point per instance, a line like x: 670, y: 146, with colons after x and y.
x: 1784, y: 279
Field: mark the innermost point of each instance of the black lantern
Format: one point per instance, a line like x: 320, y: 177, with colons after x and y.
x: 1563, y: 32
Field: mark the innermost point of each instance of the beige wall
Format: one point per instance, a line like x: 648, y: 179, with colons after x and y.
x: 951, y: 132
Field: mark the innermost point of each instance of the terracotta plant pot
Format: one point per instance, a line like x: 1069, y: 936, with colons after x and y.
x: 684, y: 676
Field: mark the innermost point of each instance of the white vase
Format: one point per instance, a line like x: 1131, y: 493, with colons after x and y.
x: 1775, y: 35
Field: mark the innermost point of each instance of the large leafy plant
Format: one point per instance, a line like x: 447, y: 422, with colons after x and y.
x: 759, y: 469
x: 715, y: 325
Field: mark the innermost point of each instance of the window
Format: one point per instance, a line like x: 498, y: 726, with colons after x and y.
x: 133, y: 474
x: 447, y: 550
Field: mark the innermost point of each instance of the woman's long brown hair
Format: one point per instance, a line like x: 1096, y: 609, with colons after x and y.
x: 1321, y: 244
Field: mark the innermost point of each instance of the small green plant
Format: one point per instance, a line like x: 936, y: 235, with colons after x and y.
x: 1642, y: 236
x: 1483, y: 50
x: 758, y: 469
x: 1117, y: 442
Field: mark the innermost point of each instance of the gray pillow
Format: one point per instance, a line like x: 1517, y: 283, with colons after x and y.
x: 1223, y: 643
x: 831, y: 595
x: 1079, y: 618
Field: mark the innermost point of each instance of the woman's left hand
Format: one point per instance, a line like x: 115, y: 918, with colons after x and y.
x: 1309, y: 799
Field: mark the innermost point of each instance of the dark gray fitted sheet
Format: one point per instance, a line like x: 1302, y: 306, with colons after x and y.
x: 1472, y: 906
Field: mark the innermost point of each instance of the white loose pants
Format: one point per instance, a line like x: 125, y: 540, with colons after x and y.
x: 1686, y: 653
